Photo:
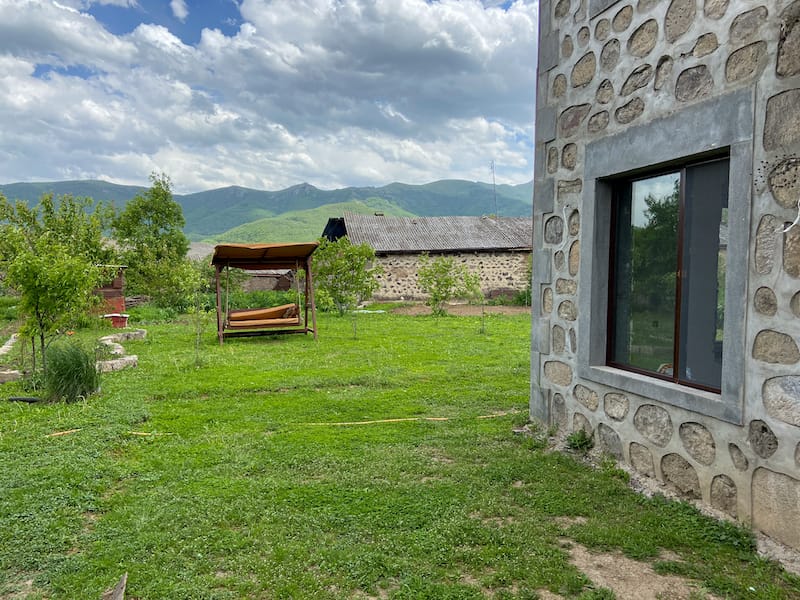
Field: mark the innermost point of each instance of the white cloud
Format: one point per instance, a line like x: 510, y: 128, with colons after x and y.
x: 352, y: 92
x: 179, y: 9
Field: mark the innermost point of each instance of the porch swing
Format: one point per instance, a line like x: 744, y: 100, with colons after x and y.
x: 286, y: 318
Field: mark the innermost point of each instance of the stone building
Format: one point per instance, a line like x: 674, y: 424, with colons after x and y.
x: 497, y: 249
x: 666, y: 267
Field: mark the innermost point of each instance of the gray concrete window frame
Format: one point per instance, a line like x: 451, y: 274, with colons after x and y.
x: 721, y: 124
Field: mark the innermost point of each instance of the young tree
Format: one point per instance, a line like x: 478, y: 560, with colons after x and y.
x: 150, y: 234
x: 342, y: 272
x: 442, y: 279
x: 49, y: 254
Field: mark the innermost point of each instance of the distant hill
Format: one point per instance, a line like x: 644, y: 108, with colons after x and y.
x: 304, y: 225
x: 212, y: 212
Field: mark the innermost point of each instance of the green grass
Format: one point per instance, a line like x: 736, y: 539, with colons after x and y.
x: 245, y: 488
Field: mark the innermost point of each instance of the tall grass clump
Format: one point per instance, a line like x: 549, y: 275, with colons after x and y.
x: 71, y: 372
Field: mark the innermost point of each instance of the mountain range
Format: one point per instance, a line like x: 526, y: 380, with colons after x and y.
x: 242, y: 214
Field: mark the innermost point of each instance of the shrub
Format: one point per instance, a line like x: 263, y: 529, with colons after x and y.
x: 442, y: 279
x: 71, y: 372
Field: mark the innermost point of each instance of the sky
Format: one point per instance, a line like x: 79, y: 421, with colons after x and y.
x: 267, y: 93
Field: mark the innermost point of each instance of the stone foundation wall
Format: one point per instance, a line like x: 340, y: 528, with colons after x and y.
x: 499, y: 272
x: 605, y: 68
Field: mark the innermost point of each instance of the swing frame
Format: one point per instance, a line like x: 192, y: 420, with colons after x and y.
x: 272, y: 320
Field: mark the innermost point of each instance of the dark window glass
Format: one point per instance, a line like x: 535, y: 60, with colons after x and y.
x: 668, y: 274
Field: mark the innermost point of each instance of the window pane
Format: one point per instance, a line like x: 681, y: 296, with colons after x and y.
x: 646, y: 261
x: 703, y: 273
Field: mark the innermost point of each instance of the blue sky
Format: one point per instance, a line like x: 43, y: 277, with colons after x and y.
x: 267, y: 93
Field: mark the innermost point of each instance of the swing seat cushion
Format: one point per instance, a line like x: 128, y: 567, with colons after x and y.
x: 285, y: 311
x: 263, y: 323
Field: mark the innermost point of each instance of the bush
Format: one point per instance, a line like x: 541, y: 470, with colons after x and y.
x: 71, y: 372
x: 443, y: 280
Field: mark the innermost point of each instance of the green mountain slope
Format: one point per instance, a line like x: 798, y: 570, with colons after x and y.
x: 211, y: 212
x: 304, y: 225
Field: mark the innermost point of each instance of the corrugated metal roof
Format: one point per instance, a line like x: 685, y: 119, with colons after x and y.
x: 439, y: 234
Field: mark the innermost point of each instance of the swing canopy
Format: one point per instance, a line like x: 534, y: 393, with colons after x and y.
x: 270, y: 320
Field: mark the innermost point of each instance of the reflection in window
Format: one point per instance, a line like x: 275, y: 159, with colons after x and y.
x: 668, y: 274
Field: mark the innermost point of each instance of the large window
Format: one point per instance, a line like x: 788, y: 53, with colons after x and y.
x: 667, y: 274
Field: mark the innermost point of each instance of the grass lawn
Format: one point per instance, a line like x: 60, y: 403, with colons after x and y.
x: 246, y: 488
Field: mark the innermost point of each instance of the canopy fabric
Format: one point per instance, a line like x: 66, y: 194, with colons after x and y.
x: 257, y: 257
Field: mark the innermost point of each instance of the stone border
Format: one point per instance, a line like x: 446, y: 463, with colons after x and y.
x: 122, y: 361
x: 9, y: 375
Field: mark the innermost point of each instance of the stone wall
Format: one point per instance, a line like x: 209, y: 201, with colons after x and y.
x: 501, y: 273
x: 609, y: 69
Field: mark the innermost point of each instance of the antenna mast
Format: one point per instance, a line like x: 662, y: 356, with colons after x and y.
x: 494, y: 189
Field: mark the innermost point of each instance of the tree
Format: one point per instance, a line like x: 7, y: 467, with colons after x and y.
x: 50, y: 256
x: 442, y: 279
x: 150, y: 234
x: 342, y: 273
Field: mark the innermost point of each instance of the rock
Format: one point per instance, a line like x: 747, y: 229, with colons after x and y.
x: 569, y: 156
x: 642, y: 460
x: 559, y: 339
x: 554, y: 230
x: 117, y: 364
x: 622, y: 20
x: 562, y: 9
x: 723, y: 494
x: 598, y: 122
x: 644, y: 39
x: 566, y: 286
x: 558, y: 259
x: 654, y: 423
x: 679, y: 18
x: 559, y: 85
x: 609, y: 55
x: 605, y: 92
x: 547, y: 300
x: 693, y: 83
x: 794, y: 304
x: 586, y: 396
x: 583, y: 36
x: 567, y: 47
x: 746, y: 62
x: 781, y: 397
x: 715, y: 9
x: 602, y: 29
x: 782, y: 126
x: 558, y: 372
x: 584, y: 70
x: 582, y: 12
x: 616, y: 405
x: 638, y: 78
x: 765, y: 302
x: 559, y: 411
x: 570, y: 186
x: 737, y: 456
x: 571, y: 118
x: 567, y: 310
x: 552, y: 159
x: 761, y: 438
x: 682, y: 475
x: 706, y: 44
x: 791, y: 252
x: 630, y: 111
x: 784, y: 182
x: 698, y: 442
x: 645, y: 5
x: 574, y: 258
x: 766, y: 239
x: 574, y: 222
x: 789, y: 43
x: 580, y: 422
x: 609, y: 441
x: 9, y: 376
x: 776, y: 506
x: 663, y: 71
x: 746, y: 25
x: 797, y: 455
x: 573, y: 342
x: 776, y: 348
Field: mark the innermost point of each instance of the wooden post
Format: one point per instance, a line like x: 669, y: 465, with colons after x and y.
x: 218, y: 269
x: 310, y: 297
